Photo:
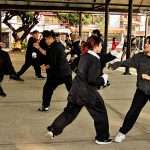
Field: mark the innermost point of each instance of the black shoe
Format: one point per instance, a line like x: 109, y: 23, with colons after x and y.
x: 42, y: 109
x: 103, y: 142
x: 108, y: 84
x: 15, y: 77
x: 40, y: 77
x: 3, y: 94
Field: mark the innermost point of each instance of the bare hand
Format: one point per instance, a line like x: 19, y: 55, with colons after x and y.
x: 145, y: 76
x: 3, y: 45
x: 47, y: 67
x: 36, y: 45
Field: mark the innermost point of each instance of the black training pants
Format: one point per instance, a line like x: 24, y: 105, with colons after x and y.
x: 139, y: 101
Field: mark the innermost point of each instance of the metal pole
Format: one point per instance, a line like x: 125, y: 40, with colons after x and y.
x: 0, y: 26
x: 129, y: 32
x: 106, y: 24
x: 146, y: 25
x: 80, y: 24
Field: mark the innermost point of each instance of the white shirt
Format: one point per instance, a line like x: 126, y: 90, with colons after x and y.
x: 93, y: 53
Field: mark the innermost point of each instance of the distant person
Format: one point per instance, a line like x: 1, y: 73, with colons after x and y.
x: 68, y: 42
x: 84, y: 48
x: 97, y: 33
x: 43, y: 45
x: 59, y: 40
x: 133, y: 43
x: 124, y: 49
x: 75, y: 51
x: 114, y: 43
x: 133, y: 46
x: 31, y: 57
x: 17, y: 46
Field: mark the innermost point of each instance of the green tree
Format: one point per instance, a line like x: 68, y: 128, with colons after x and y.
x: 87, y: 19
x: 73, y: 19
x: 100, y: 21
x: 29, y: 20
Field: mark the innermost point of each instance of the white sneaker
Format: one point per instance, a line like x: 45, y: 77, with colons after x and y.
x: 50, y: 134
x: 42, y: 109
x: 120, y: 137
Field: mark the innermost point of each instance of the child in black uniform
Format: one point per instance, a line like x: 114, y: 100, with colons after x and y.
x: 88, y: 79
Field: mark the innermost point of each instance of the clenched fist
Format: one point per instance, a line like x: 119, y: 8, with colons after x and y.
x: 114, y: 66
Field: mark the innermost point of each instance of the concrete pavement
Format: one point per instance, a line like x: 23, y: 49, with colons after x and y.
x: 22, y: 127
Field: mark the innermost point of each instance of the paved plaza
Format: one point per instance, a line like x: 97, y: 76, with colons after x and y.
x: 22, y: 127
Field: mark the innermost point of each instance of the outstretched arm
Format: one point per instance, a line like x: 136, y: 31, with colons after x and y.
x: 37, y: 46
x: 146, y: 77
x: 131, y: 62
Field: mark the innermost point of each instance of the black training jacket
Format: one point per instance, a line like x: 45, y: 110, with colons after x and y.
x: 55, y: 58
x: 84, y: 87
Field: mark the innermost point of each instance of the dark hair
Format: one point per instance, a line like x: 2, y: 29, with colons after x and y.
x: 83, y: 44
x: 67, y: 35
x: 57, y: 34
x: 34, y: 32
x: 93, y: 41
x: 147, y: 40
x: 114, y: 38
x: 96, y: 32
x: 51, y: 34
x: 45, y: 32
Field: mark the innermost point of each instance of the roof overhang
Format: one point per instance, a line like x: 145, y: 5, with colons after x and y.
x: 75, y: 5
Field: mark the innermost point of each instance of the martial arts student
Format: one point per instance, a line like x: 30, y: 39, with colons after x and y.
x: 141, y: 62
x: 105, y: 57
x: 58, y: 69
x: 32, y: 58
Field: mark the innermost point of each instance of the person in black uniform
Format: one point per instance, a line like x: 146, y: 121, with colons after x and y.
x: 6, y: 68
x: 68, y: 42
x: 75, y: 51
x: 58, y: 69
x: 32, y: 58
x: 44, y: 46
x: 88, y: 79
x: 105, y: 57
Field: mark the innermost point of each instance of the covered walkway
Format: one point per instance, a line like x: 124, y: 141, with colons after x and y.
x: 75, y: 5
x: 22, y: 127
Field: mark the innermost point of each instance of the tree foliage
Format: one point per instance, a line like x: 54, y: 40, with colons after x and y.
x: 73, y: 19
x: 29, y: 20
